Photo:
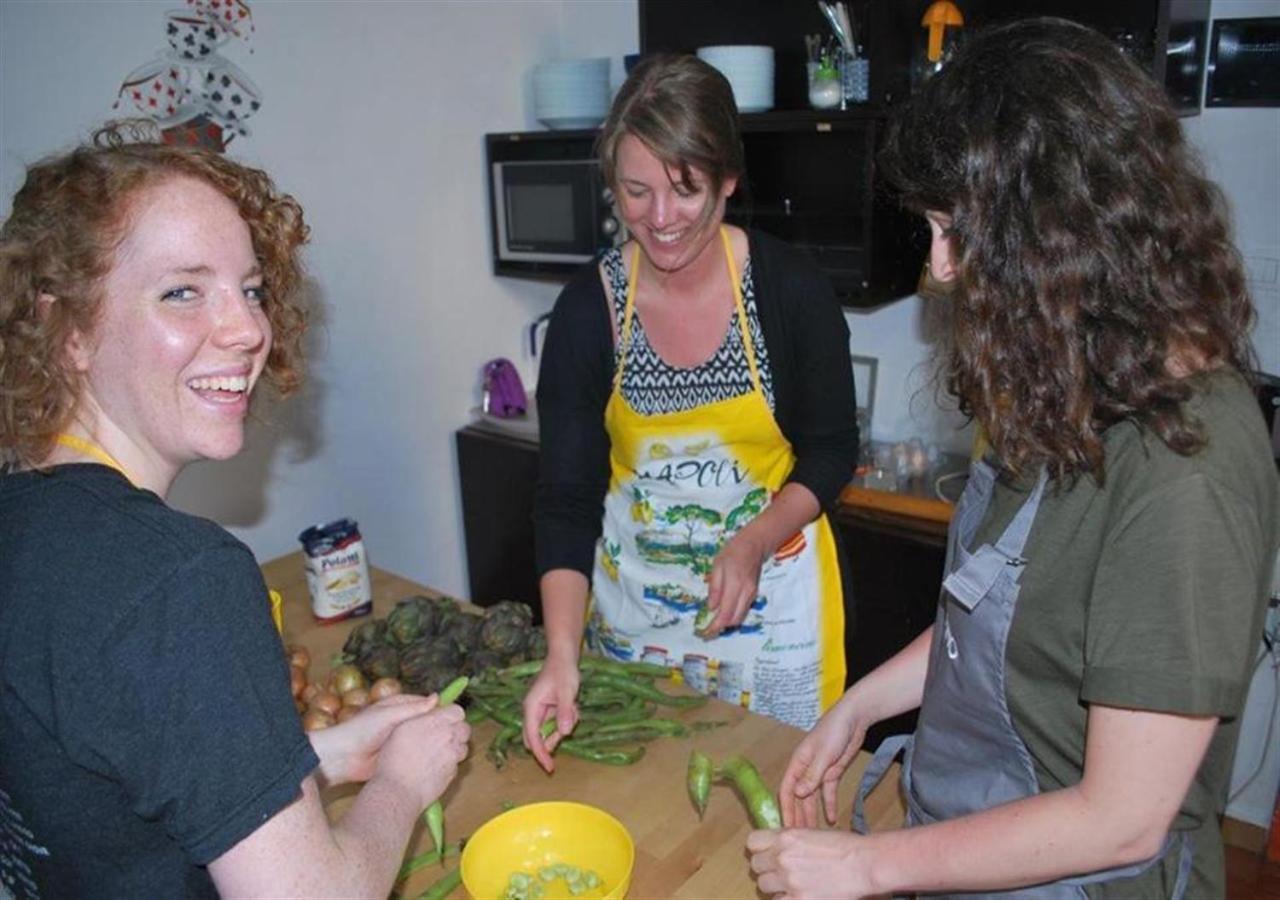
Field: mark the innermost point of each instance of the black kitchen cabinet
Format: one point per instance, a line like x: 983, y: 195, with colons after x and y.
x: 896, y: 565
x: 497, y: 473
x: 1166, y: 37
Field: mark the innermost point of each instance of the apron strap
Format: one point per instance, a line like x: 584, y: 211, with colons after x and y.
x: 1186, y: 856
x: 741, y: 309
x: 624, y: 336
x: 977, y: 572
x: 874, y: 773
x: 89, y: 448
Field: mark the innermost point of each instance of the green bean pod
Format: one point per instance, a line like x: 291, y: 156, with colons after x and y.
x: 608, y: 757
x: 761, y: 802
x: 649, y: 692
x: 698, y: 780
x: 434, y: 815
x: 618, y: 667
x: 444, y: 887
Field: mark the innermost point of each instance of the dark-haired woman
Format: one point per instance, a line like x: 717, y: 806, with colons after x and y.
x: 695, y: 401
x: 149, y: 746
x: 1079, y: 691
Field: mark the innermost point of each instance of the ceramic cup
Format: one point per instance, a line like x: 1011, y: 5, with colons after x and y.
x: 231, y: 16
x: 191, y: 36
x: 228, y: 94
x: 156, y: 88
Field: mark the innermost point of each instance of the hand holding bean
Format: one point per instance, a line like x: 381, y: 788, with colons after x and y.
x: 734, y: 583
x: 798, y: 863
x: 552, y: 693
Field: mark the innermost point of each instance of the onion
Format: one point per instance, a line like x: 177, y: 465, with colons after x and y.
x: 347, y: 712
x: 315, y: 719
x: 299, y: 656
x: 383, y: 688
x: 346, y: 678
x: 356, y: 697
x: 297, y: 680
x: 310, y: 692
x: 328, y: 702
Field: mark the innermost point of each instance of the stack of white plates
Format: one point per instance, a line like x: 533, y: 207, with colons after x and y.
x: 571, y: 93
x: 749, y: 69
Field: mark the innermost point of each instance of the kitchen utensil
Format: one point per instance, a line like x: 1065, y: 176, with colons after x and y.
x: 530, y: 837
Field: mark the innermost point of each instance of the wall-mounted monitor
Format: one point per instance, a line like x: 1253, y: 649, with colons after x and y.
x: 1244, y: 63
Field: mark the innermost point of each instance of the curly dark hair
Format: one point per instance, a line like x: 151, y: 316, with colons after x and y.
x: 67, y: 219
x: 1095, y: 264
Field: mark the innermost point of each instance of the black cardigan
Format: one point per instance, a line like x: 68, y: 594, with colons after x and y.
x: 808, y: 342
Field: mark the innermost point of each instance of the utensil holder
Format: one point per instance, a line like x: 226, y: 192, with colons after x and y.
x: 854, y: 78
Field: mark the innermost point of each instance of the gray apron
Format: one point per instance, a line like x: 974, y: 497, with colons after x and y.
x: 966, y: 755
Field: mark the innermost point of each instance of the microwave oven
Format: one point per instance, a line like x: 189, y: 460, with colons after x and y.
x: 550, y: 212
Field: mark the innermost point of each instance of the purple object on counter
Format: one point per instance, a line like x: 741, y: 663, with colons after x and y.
x: 504, y: 394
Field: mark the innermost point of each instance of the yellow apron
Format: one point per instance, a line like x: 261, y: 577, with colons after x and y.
x: 681, y: 485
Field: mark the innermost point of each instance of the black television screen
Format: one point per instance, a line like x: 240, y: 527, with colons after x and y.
x: 1244, y: 63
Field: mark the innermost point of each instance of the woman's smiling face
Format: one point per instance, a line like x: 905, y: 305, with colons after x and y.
x: 181, y: 335
x: 664, y: 215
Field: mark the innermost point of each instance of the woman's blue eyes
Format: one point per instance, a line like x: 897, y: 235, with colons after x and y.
x: 256, y: 293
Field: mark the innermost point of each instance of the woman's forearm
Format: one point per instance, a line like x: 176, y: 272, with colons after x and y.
x: 790, y: 510
x: 1138, y: 767
x: 564, y: 609
x: 896, y: 685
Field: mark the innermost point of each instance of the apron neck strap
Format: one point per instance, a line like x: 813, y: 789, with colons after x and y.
x: 89, y: 448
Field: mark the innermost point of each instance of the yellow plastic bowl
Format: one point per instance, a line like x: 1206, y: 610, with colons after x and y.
x: 529, y: 837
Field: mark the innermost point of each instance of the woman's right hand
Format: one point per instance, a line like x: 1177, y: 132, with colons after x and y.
x: 421, y: 754
x: 819, y: 761
x: 553, y: 693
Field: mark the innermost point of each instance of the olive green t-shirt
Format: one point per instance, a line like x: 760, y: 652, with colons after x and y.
x: 1148, y: 593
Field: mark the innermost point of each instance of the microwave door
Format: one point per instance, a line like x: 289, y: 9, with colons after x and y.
x: 545, y: 211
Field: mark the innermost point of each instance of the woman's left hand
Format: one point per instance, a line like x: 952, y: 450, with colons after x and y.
x: 348, y: 751
x: 734, y: 582
x: 802, y: 862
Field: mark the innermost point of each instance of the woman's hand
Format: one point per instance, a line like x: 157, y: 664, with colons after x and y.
x: 734, y: 582
x: 420, y: 756
x: 349, y: 751
x: 819, y: 761
x: 798, y: 863
x: 553, y: 693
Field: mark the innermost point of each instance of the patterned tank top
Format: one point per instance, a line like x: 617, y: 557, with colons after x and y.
x: 651, y: 386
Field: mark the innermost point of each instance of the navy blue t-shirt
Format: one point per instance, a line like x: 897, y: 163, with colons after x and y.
x: 146, y: 722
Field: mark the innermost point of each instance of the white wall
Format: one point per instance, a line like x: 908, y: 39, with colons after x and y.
x: 373, y: 116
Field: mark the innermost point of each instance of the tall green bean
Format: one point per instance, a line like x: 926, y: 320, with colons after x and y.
x: 434, y: 815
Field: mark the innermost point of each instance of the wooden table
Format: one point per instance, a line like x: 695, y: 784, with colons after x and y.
x: 676, y: 854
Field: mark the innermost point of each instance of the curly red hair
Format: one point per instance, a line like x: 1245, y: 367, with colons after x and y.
x: 58, y: 241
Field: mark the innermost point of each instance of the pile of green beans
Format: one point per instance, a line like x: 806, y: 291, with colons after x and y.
x: 617, y: 705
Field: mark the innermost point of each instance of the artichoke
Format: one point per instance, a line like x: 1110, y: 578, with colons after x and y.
x: 367, y: 634
x: 536, y: 644
x: 446, y: 609
x: 379, y: 661
x: 477, y: 662
x: 503, y: 635
x: 464, y: 629
x: 510, y: 610
x: 437, y: 653
x: 412, y: 618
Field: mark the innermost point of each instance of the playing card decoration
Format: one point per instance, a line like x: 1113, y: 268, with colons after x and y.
x: 194, y: 93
